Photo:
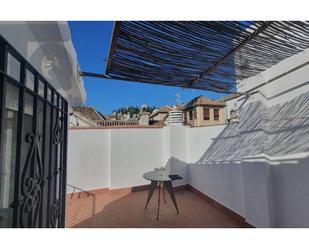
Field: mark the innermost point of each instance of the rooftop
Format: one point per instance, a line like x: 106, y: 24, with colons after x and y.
x: 105, y: 209
x: 162, y: 109
x: 89, y: 113
x: 201, y: 100
x: 248, y: 167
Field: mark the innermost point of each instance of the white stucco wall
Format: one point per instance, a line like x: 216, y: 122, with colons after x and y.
x: 284, y: 120
x: 113, y: 158
x: 178, y: 152
x: 118, y: 158
x: 199, y: 140
x: 89, y: 158
x: 221, y: 181
x: 258, y: 167
x: 133, y: 153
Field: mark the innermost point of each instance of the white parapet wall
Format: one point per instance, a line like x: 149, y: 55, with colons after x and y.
x: 134, y: 152
x: 89, y: 155
x: 118, y: 158
x: 219, y: 179
x: 277, y: 117
x: 259, y: 167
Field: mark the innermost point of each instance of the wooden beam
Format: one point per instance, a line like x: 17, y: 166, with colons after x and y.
x: 95, y: 75
x: 230, y: 53
x: 103, y: 76
x: 112, y: 46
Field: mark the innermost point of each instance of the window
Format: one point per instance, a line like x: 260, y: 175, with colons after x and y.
x: 49, y: 94
x: 8, y: 154
x: 206, y: 113
x: 216, y: 114
x: 13, y: 67
x: 29, y: 80
x: 191, y: 115
x: 195, y: 114
x: 41, y: 89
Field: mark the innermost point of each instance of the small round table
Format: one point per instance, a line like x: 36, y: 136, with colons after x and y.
x: 160, y: 179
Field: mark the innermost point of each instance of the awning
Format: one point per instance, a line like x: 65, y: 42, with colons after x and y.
x: 209, y: 55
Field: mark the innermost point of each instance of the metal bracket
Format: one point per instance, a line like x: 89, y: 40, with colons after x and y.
x: 95, y: 75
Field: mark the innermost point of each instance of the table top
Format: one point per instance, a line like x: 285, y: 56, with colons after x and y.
x: 157, y: 175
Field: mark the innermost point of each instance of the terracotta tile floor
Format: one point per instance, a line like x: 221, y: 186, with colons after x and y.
x: 125, y: 209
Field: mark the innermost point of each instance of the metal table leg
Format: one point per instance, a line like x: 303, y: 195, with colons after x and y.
x: 163, y: 192
x: 152, y: 188
x: 161, y: 185
x: 158, y: 210
x: 170, y: 189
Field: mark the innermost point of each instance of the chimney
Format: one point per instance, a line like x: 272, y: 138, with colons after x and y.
x: 144, y: 116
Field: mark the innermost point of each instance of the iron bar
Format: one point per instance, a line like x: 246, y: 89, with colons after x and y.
x: 18, y: 167
x: 64, y: 173
x: 43, y: 154
x: 27, y: 214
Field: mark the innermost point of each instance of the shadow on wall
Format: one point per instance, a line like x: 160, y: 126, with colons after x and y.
x: 250, y: 131
x: 177, y: 167
x: 270, y: 145
x: 277, y: 131
x: 288, y: 127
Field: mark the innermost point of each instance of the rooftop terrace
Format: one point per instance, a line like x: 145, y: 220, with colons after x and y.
x: 124, y: 208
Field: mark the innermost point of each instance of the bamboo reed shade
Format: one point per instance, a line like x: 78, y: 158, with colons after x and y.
x: 209, y: 55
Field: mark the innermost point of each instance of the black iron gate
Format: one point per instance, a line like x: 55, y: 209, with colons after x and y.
x: 33, y: 148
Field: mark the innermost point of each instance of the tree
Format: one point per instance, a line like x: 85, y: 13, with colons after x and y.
x: 132, y: 110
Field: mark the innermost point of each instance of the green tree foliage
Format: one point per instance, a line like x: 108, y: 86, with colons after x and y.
x: 132, y: 110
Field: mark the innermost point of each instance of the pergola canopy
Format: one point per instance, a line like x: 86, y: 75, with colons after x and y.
x: 208, y: 55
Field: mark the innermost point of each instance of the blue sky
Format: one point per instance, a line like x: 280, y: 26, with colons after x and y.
x: 91, y: 40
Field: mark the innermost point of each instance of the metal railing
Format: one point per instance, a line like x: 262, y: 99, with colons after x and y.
x: 88, y: 194
x: 80, y: 191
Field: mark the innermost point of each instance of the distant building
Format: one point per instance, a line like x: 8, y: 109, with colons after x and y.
x: 160, y: 116
x: 122, y: 116
x: 202, y: 111
x: 85, y: 116
x: 78, y: 120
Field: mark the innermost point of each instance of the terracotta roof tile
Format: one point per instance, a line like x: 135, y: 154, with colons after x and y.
x: 201, y: 100
x: 89, y: 113
x: 163, y: 109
